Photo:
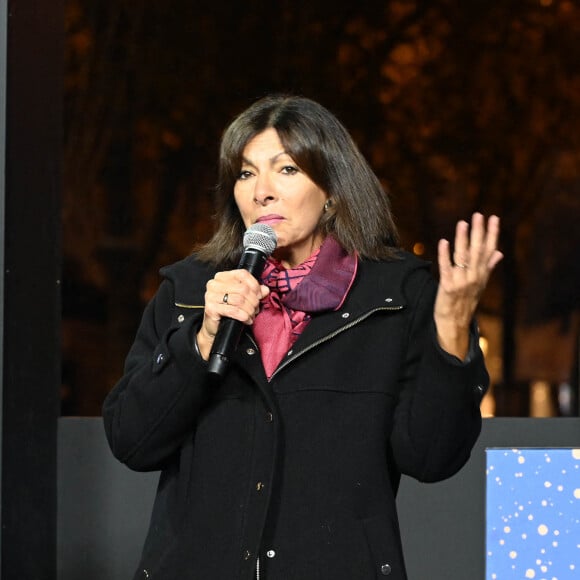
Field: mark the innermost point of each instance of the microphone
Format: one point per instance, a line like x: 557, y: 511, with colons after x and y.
x: 259, y: 242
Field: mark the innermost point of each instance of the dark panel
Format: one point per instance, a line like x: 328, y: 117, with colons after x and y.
x: 31, y: 298
x: 443, y: 524
x: 3, y: 31
x: 104, y: 508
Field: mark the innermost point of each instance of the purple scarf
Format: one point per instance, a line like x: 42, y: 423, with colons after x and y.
x: 319, y: 284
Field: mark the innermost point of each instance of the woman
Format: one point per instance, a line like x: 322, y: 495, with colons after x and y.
x: 355, y: 366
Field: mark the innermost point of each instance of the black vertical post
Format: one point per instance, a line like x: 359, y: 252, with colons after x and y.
x: 31, y: 315
x: 3, y: 31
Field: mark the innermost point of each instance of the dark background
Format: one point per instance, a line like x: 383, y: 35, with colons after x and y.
x: 458, y: 106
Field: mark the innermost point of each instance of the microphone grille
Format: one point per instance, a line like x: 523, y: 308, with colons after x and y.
x: 260, y: 237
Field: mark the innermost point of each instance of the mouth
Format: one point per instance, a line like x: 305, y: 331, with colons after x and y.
x: 269, y: 219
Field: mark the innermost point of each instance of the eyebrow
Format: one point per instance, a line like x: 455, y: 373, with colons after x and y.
x: 272, y: 160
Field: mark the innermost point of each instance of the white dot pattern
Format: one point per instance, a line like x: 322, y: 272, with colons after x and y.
x: 533, y: 514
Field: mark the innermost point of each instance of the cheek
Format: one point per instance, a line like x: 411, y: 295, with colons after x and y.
x: 312, y: 209
x: 308, y: 224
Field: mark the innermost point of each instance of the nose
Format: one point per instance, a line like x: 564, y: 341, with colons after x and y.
x: 264, y: 190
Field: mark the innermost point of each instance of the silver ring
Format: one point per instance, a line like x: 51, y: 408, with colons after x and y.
x: 462, y: 266
x: 225, y: 298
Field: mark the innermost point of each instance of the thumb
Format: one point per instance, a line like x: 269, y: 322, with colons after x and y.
x: 264, y: 291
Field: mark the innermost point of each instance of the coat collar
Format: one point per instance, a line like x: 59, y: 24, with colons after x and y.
x: 377, y: 283
x: 379, y: 286
x: 189, y: 277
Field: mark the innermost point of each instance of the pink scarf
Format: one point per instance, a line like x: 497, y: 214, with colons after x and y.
x: 319, y: 284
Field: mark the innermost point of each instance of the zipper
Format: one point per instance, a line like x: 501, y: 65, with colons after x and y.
x: 191, y: 306
x: 333, y: 334
x: 313, y: 345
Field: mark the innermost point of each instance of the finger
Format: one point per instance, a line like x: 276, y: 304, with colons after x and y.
x: 225, y: 285
x: 218, y: 302
x: 243, y: 313
x: 492, y: 238
x: 495, y: 259
x: 444, y: 259
x: 240, y: 281
x: 247, y: 302
x: 233, y: 294
x: 476, y: 238
x: 461, y: 248
x: 250, y: 304
x: 229, y: 279
x: 215, y: 293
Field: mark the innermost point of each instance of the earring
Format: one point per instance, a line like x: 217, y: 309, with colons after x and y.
x: 327, y: 205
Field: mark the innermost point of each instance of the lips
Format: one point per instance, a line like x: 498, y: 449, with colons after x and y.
x: 270, y: 219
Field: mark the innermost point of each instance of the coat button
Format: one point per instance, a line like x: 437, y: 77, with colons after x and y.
x: 346, y: 315
x: 180, y: 318
x: 247, y: 555
x: 388, y: 299
x: 250, y: 351
x: 160, y: 358
x: 386, y: 569
x: 271, y: 553
x: 269, y: 417
x: 259, y: 486
x: 145, y: 573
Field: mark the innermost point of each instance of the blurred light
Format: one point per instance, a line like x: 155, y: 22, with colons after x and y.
x: 541, y: 404
x: 483, y: 345
x: 487, y: 406
x: 565, y: 399
x: 418, y: 248
x: 545, y: 3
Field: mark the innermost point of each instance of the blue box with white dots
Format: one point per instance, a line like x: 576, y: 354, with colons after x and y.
x: 533, y: 514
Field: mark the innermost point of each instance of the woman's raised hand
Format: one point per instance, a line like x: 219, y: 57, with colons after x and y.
x: 463, y: 278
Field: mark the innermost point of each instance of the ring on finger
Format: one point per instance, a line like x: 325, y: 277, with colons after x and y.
x: 225, y: 298
x: 460, y: 262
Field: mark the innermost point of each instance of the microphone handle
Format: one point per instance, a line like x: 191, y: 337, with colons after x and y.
x: 230, y: 330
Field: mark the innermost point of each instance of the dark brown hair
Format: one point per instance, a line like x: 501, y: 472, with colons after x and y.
x: 360, y: 215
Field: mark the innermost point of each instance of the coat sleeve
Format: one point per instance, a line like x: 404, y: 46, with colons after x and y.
x: 437, y: 419
x: 154, y: 406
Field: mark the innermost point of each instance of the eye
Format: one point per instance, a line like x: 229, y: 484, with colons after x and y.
x: 244, y: 174
x: 289, y: 170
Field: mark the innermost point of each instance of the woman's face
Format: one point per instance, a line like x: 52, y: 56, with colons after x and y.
x: 272, y: 189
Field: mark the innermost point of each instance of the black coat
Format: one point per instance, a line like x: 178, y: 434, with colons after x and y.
x: 301, y: 471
